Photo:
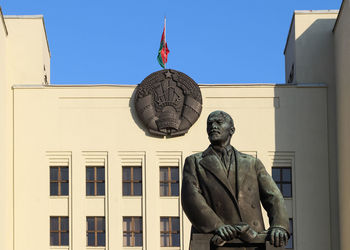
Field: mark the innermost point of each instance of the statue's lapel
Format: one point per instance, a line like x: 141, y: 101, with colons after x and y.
x: 242, y: 169
x: 212, y: 163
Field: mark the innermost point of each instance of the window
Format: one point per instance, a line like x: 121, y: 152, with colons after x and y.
x: 290, y: 241
x: 132, y: 181
x: 169, y: 231
x: 59, y: 181
x: 59, y: 231
x: 132, y: 231
x: 283, y: 178
x: 169, y: 181
x: 95, y: 181
x: 95, y: 233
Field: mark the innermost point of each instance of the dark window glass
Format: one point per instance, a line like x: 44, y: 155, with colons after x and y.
x: 132, y: 181
x: 90, y: 173
x: 169, y: 231
x: 132, y: 231
x: 54, y: 173
x: 100, y: 188
x: 101, y: 240
x: 290, y: 241
x: 169, y: 181
x: 95, y: 181
x: 90, y: 188
x: 91, y: 223
x: 64, y: 223
x: 64, y: 188
x: 283, y: 178
x: 287, y: 190
x: 127, y: 173
x: 54, y: 223
x: 100, y: 174
x: 59, y: 231
x: 126, y: 188
x: 65, y: 239
x: 59, y: 179
x: 137, y: 174
x: 54, y: 188
x: 95, y: 233
x: 91, y: 239
x: 137, y: 189
x: 64, y: 174
x: 54, y: 239
x: 276, y: 175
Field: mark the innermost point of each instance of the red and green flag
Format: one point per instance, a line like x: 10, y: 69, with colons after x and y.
x: 163, y: 49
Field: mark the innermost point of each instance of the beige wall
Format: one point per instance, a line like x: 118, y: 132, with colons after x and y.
x: 24, y: 50
x: 28, y: 49
x: 313, y: 48
x: 6, y: 208
x: 342, y: 62
x: 80, y: 123
x: 284, y: 125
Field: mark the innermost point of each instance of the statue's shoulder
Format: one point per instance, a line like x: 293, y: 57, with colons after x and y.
x: 246, y: 156
x: 196, y: 155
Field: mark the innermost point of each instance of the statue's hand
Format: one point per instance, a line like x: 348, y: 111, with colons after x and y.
x: 278, y: 236
x: 226, y: 232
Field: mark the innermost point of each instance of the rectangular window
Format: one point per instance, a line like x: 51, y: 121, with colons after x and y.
x: 95, y: 233
x: 59, y: 181
x: 95, y: 181
x: 132, y: 231
x: 169, y: 181
x: 169, y: 231
x: 59, y: 231
x: 132, y: 181
x: 283, y: 178
x: 290, y: 241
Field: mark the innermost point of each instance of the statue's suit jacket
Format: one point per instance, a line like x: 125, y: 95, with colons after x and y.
x: 210, y: 201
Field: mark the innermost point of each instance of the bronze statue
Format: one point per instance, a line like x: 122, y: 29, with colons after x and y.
x: 222, y: 189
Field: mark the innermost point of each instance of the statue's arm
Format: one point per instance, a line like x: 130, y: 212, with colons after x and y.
x: 271, y: 198
x: 202, y: 217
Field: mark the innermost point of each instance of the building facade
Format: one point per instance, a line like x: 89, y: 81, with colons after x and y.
x: 80, y: 171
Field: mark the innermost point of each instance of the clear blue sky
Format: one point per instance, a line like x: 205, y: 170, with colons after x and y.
x: 116, y: 41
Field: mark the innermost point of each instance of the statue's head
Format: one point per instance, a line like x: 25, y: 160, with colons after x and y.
x: 220, y: 128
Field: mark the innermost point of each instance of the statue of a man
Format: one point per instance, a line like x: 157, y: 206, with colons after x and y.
x: 222, y: 188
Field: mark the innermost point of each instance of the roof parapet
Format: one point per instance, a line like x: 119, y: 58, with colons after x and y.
x: 31, y: 17
x: 339, y: 15
x: 3, y: 22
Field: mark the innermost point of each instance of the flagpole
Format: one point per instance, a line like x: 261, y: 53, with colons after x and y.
x: 165, y: 35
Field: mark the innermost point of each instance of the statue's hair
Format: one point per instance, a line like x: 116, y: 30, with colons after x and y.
x: 224, y: 114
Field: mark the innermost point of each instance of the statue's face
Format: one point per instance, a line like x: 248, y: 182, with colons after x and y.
x: 219, y: 129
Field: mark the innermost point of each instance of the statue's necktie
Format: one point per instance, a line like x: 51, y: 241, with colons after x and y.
x: 225, y: 158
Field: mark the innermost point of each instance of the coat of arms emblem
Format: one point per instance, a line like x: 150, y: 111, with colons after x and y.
x: 168, y: 102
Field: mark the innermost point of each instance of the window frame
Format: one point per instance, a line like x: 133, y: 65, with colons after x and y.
x: 170, y: 232
x: 281, y: 181
x: 95, y: 231
x: 59, y: 180
x: 59, y: 231
x: 169, y: 181
x: 95, y: 180
x: 131, y: 181
x: 133, y: 231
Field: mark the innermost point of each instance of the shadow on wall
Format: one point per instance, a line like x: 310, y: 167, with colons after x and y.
x: 316, y: 65
x: 304, y: 139
x: 314, y: 53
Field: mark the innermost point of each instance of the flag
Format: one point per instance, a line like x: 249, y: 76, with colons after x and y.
x: 163, y: 49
